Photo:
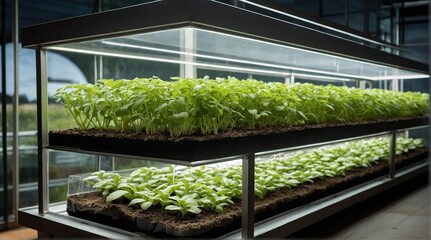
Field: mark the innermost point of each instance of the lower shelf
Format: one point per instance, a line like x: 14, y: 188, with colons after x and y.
x: 292, y: 221
x: 58, y: 224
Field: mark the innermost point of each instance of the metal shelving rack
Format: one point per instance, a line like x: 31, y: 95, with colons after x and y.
x: 205, y: 15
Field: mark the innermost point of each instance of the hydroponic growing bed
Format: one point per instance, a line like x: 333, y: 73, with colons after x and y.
x: 144, y: 117
x: 285, y: 182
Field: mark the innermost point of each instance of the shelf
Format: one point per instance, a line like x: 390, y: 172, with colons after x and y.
x: 189, y: 149
x: 206, y: 15
x: 289, y: 222
x: 57, y: 222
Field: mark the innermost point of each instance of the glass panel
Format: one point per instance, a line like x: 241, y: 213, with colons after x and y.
x: 309, y: 6
x: 27, y: 128
x: 235, y: 54
x: 411, y: 147
x: 356, y: 15
x: 6, y: 187
x: 416, y: 39
x: 61, y: 165
x: 356, y: 21
x: 63, y: 72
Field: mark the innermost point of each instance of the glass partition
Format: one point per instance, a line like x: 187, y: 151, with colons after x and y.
x: 205, y: 49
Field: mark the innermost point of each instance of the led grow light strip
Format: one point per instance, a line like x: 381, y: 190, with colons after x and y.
x: 347, y: 76
x: 93, y: 52
x: 213, y: 66
x: 350, y: 60
x: 279, y: 73
x: 228, y: 60
x: 412, y: 76
x: 243, y: 62
x: 300, y: 75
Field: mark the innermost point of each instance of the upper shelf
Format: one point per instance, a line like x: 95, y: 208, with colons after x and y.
x: 200, y: 148
x: 223, y: 37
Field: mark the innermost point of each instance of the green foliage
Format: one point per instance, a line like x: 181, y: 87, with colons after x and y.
x: 185, y: 204
x: 204, y: 106
x: 191, y: 190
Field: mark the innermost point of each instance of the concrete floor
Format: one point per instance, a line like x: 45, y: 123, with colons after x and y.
x: 401, y: 213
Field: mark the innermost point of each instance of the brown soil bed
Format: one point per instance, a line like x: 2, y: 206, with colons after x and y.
x: 234, y: 133
x: 234, y: 142
x: 159, y: 223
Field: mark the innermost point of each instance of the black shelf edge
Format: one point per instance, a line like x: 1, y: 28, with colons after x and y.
x: 205, y: 14
x: 191, y: 149
x: 64, y: 226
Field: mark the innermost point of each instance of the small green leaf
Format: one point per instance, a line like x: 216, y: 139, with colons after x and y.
x: 116, y: 195
x: 173, y: 208
x: 181, y: 115
x: 136, y: 201
x: 194, y: 209
x: 146, y: 205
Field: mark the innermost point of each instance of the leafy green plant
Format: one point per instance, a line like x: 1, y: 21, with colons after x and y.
x: 185, y: 204
x: 104, y: 182
x: 215, y: 201
x: 145, y: 199
x: 209, y: 106
x: 163, y: 195
x: 191, y: 190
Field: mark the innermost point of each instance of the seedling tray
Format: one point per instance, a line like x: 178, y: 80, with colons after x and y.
x: 160, y: 223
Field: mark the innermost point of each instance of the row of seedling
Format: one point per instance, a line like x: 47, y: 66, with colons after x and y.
x: 210, y: 188
x: 209, y: 106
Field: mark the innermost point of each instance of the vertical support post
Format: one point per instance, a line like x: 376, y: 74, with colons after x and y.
x: 248, y: 162
x: 392, y: 155
x: 113, y: 165
x: 401, y: 85
x: 99, y: 163
x: 42, y: 128
x: 429, y: 92
x: 98, y: 68
x: 3, y: 39
x: 188, y: 69
x: 289, y: 79
x: 395, y: 24
x: 15, y: 103
x: 395, y: 85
